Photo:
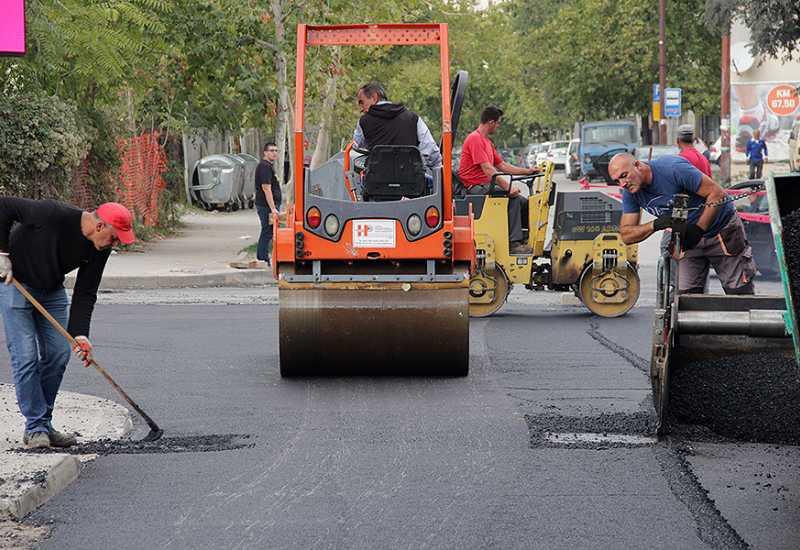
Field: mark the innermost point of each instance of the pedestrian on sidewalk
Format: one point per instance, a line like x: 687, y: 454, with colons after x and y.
x: 42, y: 241
x: 268, y: 198
x: 756, y: 155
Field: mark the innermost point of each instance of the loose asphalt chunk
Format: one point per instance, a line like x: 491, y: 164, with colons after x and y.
x: 750, y: 397
x: 185, y: 444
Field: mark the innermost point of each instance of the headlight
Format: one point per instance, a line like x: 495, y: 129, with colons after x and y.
x: 414, y: 224
x: 331, y: 225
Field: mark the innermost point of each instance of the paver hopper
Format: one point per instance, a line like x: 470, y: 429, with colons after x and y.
x: 714, y: 358
x: 375, y: 287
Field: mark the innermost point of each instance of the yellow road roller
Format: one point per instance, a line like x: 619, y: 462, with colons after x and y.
x: 586, y: 253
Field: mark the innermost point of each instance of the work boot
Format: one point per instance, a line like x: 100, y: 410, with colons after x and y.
x: 35, y: 440
x: 61, y: 439
x: 519, y: 247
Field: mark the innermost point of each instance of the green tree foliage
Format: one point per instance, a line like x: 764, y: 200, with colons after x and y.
x: 774, y: 24
x: 599, y: 58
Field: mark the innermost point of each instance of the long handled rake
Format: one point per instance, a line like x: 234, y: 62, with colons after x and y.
x: 155, y: 431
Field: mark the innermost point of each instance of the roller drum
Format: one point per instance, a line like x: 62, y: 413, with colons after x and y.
x: 374, y: 330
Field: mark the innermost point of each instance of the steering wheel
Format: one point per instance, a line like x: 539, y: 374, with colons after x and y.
x: 496, y: 191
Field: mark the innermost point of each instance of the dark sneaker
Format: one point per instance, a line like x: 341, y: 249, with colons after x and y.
x: 35, y: 440
x: 60, y: 439
x: 520, y: 247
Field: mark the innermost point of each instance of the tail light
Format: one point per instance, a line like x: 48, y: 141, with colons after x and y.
x: 432, y: 216
x: 313, y: 217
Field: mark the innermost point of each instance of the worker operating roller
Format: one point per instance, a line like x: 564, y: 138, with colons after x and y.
x: 714, y: 234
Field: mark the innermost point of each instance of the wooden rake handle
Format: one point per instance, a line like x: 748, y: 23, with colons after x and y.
x: 46, y: 314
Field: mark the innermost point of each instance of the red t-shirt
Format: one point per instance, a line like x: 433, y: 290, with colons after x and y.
x: 697, y: 160
x: 476, y: 150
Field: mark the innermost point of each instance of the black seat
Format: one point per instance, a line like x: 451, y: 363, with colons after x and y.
x: 393, y: 172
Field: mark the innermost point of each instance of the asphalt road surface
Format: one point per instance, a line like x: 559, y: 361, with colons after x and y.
x: 547, y: 444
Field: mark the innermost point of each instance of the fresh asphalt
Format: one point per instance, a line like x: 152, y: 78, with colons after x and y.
x: 391, y: 462
x: 547, y: 444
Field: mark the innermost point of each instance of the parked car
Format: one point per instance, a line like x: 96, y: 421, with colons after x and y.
x: 715, y: 151
x: 643, y: 153
x: 530, y: 155
x: 541, y: 154
x: 557, y: 153
x: 573, y: 166
x: 794, y: 147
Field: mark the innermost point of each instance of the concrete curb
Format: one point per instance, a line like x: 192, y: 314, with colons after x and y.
x: 28, y: 480
x: 233, y: 278
x: 58, y: 477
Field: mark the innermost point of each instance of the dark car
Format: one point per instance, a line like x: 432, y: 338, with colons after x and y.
x: 754, y: 211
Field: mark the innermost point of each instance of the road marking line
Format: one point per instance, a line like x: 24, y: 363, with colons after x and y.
x: 572, y: 438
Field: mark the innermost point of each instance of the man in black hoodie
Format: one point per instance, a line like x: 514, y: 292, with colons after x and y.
x: 387, y: 123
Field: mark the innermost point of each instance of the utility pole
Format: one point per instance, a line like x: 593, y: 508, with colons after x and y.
x: 662, y: 69
x: 725, y: 111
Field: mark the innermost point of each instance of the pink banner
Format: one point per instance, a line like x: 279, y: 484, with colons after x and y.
x: 12, y: 27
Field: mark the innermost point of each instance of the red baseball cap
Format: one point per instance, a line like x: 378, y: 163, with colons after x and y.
x: 120, y: 218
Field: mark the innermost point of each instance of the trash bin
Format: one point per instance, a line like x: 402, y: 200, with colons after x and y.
x: 249, y: 185
x: 217, y: 182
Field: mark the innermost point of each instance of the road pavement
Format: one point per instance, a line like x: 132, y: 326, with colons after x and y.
x: 547, y: 444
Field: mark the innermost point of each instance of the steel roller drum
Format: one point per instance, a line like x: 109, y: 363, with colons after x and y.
x: 374, y: 329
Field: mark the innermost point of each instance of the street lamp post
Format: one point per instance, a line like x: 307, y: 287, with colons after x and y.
x: 662, y: 70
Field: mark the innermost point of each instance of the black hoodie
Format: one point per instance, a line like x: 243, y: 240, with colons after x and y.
x: 389, y: 124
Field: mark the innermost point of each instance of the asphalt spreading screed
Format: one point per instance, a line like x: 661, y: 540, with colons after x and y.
x: 751, y: 397
x: 186, y: 444
x: 791, y: 249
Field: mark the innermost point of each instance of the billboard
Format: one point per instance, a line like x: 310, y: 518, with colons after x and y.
x: 12, y: 27
x: 770, y: 107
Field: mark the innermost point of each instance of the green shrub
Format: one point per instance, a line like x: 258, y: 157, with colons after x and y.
x: 42, y: 142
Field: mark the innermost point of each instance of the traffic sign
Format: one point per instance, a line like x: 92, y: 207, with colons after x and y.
x: 672, y: 102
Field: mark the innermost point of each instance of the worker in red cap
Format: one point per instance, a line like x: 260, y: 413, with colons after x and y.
x: 40, y: 242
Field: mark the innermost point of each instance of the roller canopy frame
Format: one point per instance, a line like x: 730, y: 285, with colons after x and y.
x: 407, y: 34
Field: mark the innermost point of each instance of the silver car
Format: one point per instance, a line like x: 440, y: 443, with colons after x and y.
x: 557, y: 153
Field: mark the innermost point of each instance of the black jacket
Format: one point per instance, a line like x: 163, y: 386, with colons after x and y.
x: 389, y: 124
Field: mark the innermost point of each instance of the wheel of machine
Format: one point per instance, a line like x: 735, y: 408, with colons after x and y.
x: 608, y: 285
x: 488, y: 292
x: 251, y: 204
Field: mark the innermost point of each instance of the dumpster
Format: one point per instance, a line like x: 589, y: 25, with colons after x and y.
x: 217, y: 182
x: 249, y: 185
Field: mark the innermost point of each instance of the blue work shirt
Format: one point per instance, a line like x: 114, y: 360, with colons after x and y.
x: 755, y: 148
x: 673, y: 175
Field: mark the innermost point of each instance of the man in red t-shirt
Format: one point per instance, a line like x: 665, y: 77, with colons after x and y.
x: 686, y: 145
x: 480, y: 161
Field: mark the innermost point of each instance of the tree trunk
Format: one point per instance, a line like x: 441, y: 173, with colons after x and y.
x: 283, y: 124
x: 322, y: 151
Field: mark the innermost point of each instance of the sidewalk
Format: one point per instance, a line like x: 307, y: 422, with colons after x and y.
x: 197, y: 257
x: 28, y: 480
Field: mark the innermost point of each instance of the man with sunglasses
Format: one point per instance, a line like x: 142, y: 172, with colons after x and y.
x: 714, y: 234
x: 40, y: 242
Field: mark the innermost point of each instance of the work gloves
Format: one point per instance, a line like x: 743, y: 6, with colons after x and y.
x: 83, y: 349
x: 664, y: 221
x: 693, y: 235
x: 5, y: 267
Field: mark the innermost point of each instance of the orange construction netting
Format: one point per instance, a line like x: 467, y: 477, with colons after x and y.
x: 142, y: 166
